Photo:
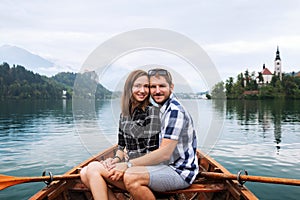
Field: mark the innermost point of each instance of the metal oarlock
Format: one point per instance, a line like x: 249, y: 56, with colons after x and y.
x: 241, y: 183
x: 51, y: 177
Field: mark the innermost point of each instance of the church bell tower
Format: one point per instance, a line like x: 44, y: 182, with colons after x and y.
x: 277, y: 63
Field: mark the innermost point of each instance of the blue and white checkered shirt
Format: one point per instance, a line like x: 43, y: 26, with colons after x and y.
x: 177, y: 124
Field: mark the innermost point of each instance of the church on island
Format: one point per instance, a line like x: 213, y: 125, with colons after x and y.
x: 267, y: 74
x: 268, y: 84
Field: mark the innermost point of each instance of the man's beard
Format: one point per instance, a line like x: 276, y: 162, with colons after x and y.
x: 159, y: 95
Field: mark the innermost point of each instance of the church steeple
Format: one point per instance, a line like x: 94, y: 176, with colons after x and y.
x: 277, y: 54
x: 277, y: 64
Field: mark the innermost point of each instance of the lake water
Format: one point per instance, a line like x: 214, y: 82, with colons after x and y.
x: 261, y: 137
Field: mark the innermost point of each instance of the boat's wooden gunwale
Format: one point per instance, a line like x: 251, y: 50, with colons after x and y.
x: 232, y: 185
x: 59, y: 190
x: 46, y: 192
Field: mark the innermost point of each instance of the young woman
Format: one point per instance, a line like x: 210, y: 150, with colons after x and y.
x: 139, y: 128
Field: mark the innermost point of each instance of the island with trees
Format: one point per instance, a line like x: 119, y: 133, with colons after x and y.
x: 249, y: 86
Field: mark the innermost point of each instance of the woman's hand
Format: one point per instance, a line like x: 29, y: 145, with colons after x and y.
x: 108, y: 163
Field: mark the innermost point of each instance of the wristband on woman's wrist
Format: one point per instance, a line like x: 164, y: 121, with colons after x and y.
x: 118, y: 158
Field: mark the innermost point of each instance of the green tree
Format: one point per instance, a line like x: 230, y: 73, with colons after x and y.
x: 290, y: 86
x: 18, y: 83
x: 246, y: 78
x: 266, y: 92
x: 260, y: 78
x: 240, y: 80
x: 218, y: 91
x: 229, y: 86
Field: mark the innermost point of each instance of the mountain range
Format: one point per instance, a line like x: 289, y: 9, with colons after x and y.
x: 14, y: 55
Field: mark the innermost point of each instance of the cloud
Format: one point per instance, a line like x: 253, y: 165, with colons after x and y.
x: 232, y: 58
x: 185, y: 76
x: 246, y: 47
x: 236, y: 34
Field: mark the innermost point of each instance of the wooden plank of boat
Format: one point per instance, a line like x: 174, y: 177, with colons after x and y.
x: 202, y: 188
x: 60, y: 189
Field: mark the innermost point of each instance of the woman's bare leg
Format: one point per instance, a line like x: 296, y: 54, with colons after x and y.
x: 96, y: 182
x: 95, y: 177
x: 83, y: 177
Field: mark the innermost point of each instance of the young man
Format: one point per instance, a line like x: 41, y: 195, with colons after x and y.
x: 174, y: 165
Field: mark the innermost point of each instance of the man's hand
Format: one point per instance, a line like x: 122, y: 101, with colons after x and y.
x: 117, y: 171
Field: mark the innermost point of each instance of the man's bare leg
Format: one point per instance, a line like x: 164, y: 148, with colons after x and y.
x: 136, y: 180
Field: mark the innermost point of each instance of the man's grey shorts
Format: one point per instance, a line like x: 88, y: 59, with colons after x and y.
x: 164, y: 178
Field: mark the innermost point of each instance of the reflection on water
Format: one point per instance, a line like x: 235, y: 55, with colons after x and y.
x: 263, y: 138
x: 96, y: 123
x: 208, y: 118
x: 34, y: 136
x: 260, y: 136
x: 266, y: 115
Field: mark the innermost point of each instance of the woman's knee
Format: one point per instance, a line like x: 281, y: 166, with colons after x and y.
x: 95, y: 168
x: 83, y: 172
x: 92, y: 165
x: 83, y: 176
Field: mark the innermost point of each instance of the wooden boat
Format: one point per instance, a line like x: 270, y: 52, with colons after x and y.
x: 202, y: 188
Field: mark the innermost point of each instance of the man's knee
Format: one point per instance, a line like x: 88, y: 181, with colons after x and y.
x: 135, y: 178
x: 130, y: 180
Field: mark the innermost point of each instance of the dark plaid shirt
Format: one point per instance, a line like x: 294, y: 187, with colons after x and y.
x: 139, y: 133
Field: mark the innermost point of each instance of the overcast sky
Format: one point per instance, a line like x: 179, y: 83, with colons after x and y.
x: 236, y: 34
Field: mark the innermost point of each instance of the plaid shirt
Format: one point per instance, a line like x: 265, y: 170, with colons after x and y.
x: 139, y: 133
x: 177, y: 124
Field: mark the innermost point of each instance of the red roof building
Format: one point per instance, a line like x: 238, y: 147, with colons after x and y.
x: 266, y: 71
x: 266, y: 74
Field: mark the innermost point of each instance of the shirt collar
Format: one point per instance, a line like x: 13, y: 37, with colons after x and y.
x: 166, y: 104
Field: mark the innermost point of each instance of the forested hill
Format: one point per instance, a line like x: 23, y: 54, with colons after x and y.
x: 18, y: 83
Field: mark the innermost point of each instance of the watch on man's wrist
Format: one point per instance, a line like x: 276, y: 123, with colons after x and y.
x: 129, y: 164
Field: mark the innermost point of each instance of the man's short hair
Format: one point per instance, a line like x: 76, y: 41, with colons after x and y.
x: 161, y: 72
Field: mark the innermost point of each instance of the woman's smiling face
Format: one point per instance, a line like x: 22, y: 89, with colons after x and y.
x: 140, y: 88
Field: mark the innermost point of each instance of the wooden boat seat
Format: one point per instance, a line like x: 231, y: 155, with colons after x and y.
x: 194, y: 188
x: 200, y: 185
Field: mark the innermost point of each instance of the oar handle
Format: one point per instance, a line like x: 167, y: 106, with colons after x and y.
x: 47, y: 178
x: 7, y: 181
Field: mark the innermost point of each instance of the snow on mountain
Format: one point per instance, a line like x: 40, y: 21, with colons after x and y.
x: 18, y: 56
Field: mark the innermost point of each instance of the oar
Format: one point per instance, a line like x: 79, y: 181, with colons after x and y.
x: 261, y: 179
x: 7, y: 181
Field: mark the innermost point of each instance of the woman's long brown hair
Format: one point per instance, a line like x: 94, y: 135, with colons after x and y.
x: 127, y: 98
